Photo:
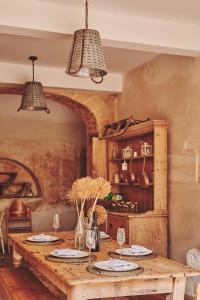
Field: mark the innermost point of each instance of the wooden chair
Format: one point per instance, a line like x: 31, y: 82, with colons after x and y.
x: 17, y: 220
x: 2, y: 214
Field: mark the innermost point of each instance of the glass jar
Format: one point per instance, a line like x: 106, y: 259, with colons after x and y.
x: 127, y: 152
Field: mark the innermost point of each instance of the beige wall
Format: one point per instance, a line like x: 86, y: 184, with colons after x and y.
x: 168, y: 87
x: 49, y: 144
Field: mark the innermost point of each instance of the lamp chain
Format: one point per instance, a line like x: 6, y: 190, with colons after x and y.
x: 86, y: 14
x: 33, y: 69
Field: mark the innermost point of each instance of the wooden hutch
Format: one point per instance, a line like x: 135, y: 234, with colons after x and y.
x: 146, y: 222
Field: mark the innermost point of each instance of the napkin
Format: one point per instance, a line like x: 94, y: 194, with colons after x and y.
x: 42, y: 237
x: 118, y: 264
x: 138, y: 249
x: 65, y: 252
x: 103, y: 235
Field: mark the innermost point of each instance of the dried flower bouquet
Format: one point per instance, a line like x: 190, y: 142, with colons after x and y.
x: 88, y: 188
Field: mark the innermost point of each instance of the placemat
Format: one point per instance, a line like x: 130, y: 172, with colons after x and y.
x: 132, y: 258
x: 93, y: 270
x: 56, y: 242
x: 70, y: 260
x: 106, y: 240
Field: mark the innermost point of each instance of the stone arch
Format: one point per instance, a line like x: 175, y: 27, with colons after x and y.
x: 86, y: 115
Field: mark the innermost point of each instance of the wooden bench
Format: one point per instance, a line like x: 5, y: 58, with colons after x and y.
x: 21, y: 284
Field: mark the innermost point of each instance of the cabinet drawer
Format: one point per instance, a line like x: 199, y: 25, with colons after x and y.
x: 115, y: 222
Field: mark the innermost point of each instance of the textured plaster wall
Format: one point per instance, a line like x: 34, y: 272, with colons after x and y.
x: 168, y: 87
x: 102, y: 105
x: 50, y: 145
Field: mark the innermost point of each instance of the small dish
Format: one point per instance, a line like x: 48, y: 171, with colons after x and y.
x: 69, y: 253
x: 130, y: 252
x: 115, y: 265
x: 41, y: 238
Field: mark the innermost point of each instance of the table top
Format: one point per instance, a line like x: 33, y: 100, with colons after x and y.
x: 73, y: 274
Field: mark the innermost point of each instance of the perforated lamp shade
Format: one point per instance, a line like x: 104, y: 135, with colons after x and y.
x: 87, y: 59
x: 33, y: 97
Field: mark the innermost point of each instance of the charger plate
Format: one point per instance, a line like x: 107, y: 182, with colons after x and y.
x: 70, y: 260
x: 93, y: 270
x: 132, y: 258
x: 45, y: 243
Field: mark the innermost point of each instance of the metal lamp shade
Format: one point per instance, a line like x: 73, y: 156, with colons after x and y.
x: 86, y: 59
x: 33, y: 97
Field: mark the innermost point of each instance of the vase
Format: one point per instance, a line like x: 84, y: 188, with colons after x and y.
x: 79, y: 234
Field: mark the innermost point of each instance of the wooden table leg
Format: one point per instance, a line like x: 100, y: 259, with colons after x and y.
x: 178, y: 289
x: 197, y: 291
x: 77, y: 293
x: 17, y: 258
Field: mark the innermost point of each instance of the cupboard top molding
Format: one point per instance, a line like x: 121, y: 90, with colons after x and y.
x: 139, y: 129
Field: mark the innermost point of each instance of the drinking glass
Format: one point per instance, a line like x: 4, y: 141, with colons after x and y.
x: 56, y: 222
x: 80, y: 233
x: 90, y: 241
x: 121, y: 238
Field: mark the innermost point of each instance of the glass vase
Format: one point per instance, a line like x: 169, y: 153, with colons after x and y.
x: 79, y: 234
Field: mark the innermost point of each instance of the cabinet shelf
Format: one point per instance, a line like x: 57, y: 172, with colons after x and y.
x: 132, y: 184
x: 133, y: 158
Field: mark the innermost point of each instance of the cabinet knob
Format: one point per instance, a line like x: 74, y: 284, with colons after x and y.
x: 110, y: 225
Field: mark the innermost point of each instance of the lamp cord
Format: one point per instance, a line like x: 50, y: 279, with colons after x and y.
x: 86, y: 14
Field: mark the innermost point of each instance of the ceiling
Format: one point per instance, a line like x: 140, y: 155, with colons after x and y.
x: 55, y: 53
x: 182, y: 10
x: 132, y: 32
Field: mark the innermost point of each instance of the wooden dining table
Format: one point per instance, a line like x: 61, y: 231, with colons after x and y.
x: 160, y: 275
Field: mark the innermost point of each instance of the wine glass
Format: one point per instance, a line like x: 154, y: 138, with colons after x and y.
x: 56, y: 222
x: 90, y: 241
x: 121, y: 238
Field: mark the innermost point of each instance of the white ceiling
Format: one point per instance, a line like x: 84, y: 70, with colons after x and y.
x: 132, y: 32
x: 176, y: 10
x: 55, y: 53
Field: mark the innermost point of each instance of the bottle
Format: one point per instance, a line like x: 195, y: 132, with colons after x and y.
x: 114, y: 152
x: 95, y: 247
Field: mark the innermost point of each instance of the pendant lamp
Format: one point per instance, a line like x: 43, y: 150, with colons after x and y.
x: 86, y: 58
x: 33, y: 96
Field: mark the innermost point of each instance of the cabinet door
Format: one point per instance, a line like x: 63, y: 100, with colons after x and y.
x: 115, y: 222
x: 150, y: 232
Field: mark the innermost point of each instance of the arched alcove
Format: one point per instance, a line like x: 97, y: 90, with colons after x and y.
x: 83, y: 111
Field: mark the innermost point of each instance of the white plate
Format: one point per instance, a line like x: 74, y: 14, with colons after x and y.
x: 72, y: 253
x: 103, y: 265
x: 129, y: 252
x: 41, y: 238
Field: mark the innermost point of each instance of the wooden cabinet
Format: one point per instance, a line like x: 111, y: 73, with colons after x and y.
x: 142, y: 229
x: 114, y: 222
x: 145, y: 218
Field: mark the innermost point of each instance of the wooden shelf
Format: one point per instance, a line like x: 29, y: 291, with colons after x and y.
x: 133, y: 184
x: 133, y: 158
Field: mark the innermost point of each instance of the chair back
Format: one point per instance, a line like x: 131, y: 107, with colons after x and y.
x: 2, y: 214
x: 18, y: 209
